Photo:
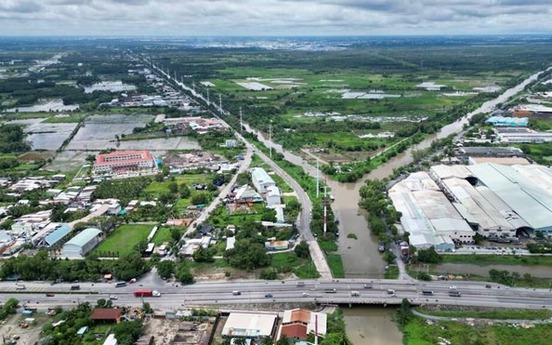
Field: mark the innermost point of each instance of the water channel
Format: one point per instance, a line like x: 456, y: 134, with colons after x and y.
x: 361, y: 259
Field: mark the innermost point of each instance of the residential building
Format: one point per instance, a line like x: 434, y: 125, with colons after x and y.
x: 252, y: 326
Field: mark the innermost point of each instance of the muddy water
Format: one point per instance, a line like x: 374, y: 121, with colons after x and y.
x: 371, y: 325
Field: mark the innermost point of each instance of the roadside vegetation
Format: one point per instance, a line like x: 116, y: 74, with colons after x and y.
x: 486, y: 313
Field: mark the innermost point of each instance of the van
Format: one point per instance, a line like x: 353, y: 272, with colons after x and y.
x: 236, y: 293
x: 75, y: 287
x: 20, y: 287
x: 427, y: 292
x: 390, y: 291
x: 120, y: 284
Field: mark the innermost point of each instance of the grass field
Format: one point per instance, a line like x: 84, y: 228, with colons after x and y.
x: 487, y: 313
x: 484, y: 260
x: 162, y: 235
x: 336, y: 265
x: 123, y: 239
x: 288, y: 262
x: 420, y: 332
x: 163, y: 187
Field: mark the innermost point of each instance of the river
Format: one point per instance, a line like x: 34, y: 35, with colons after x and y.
x: 371, y: 325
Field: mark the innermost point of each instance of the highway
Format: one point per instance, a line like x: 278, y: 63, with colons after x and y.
x: 320, y: 291
x: 317, y: 255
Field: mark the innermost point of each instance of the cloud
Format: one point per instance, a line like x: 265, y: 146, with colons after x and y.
x: 272, y: 17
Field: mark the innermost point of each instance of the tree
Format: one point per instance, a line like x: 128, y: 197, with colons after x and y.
x: 302, y: 250
x: 247, y: 255
x: 165, y: 269
x: 199, y: 199
x: 173, y: 187
x: 404, y: 313
x: 429, y: 256
x: 184, y: 191
x: 175, y: 234
x: 203, y: 255
x: 478, y: 238
x: 127, y: 332
x: 185, y: 276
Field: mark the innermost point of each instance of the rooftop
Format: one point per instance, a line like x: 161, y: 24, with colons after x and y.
x: 106, y: 314
x: 249, y: 325
x: 84, y: 237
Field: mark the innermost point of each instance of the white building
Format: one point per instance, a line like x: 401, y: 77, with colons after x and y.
x: 81, y: 244
x: 261, y: 180
x: 242, y: 325
x: 273, y: 196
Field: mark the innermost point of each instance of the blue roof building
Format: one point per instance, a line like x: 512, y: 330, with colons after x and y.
x: 57, y: 235
x: 502, y: 121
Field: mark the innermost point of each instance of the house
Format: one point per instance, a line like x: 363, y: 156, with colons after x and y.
x: 246, y: 194
x: 106, y: 315
x: 298, y: 323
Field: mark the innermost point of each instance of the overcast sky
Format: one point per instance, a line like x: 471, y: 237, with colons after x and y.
x: 273, y: 17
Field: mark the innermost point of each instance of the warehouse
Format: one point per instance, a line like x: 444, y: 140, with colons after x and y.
x: 427, y: 215
x: 261, y: 180
x: 81, y: 244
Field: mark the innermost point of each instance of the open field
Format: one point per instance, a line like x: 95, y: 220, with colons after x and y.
x: 123, y: 239
x: 486, y: 313
x: 420, y: 332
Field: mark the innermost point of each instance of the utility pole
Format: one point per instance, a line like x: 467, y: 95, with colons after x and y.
x: 270, y: 137
x: 325, y: 210
x: 241, y: 121
x: 317, y: 177
x: 208, y: 102
x: 220, y: 104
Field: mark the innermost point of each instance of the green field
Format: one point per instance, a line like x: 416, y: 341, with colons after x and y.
x: 162, y: 235
x: 420, y: 332
x: 123, y: 240
x: 288, y: 262
x: 485, y: 260
x: 156, y: 187
x: 487, y: 313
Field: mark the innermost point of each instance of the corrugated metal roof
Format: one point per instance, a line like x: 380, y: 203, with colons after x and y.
x: 527, y: 199
x: 56, y: 235
x: 261, y: 175
x: 84, y: 237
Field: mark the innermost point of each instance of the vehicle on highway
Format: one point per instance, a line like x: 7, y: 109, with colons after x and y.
x: 300, y: 284
x: 268, y: 295
x: 120, y: 284
x: 427, y: 292
x: 20, y: 287
x: 453, y: 287
x: 147, y: 293
x: 390, y: 291
x: 330, y: 291
x: 49, y: 294
x: 368, y: 286
x: 75, y: 287
x: 355, y: 293
x: 454, y: 293
x: 113, y: 298
x: 488, y: 286
x: 132, y: 281
x: 306, y: 294
x: 236, y: 293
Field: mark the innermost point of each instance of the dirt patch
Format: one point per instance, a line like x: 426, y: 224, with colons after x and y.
x: 34, y: 156
x: 167, y: 331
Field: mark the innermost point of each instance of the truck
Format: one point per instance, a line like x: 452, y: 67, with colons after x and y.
x: 147, y: 293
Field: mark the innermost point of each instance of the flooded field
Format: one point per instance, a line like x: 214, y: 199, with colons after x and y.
x: 45, y: 136
x: 52, y: 105
x: 69, y: 160
x: 99, y: 131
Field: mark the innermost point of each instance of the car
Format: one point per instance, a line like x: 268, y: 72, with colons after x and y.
x: 49, y: 294
x: 488, y: 286
x: 368, y: 286
x: 268, y: 295
x: 330, y: 291
x: 113, y: 298
x: 306, y: 294
x: 453, y: 287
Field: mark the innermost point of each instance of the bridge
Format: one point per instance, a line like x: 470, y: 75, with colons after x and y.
x: 342, y: 291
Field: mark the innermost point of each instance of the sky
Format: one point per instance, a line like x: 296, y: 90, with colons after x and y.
x: 272, y: 17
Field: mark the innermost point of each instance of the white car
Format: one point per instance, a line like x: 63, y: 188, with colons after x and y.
x: 306, y: 294
x: 113, y: 298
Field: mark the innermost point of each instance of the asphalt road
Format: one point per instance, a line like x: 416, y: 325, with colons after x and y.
x: 176, y: 296
x: 317, y: 255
